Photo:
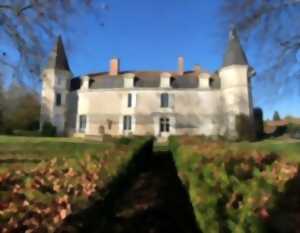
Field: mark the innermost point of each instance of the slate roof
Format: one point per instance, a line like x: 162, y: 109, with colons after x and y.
x: 144, y: 79
x: 235, y: 54
x: 58, y: 58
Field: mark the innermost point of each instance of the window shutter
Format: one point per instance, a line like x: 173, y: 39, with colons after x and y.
x: 124, y: 101
x: 172, y: 125
x: 134, y: 100
x: 156, y: 125
x: 120, y: 124
x: 171, y: 99
x: 133, y: 123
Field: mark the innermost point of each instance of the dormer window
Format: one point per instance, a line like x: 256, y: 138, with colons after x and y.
x: 165, y: 80
x: 129, y: 80
x: 164, y: 100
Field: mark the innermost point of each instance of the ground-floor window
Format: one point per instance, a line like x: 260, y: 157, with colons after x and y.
x: 82, y: 123
x: 164, y: 124
x: 127, y: 123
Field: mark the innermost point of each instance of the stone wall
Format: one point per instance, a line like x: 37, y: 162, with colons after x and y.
x: 193, y: 111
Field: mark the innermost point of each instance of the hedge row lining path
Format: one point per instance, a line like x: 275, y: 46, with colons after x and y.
x: 155, y: 201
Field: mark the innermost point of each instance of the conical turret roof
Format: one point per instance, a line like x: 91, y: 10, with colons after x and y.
x: 235, y: 54
x: 58, y: 58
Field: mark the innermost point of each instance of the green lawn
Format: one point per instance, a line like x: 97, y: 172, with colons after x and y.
x: 286, y: 149
x: 240, y: 187
x: 42, y: 148
x: 46, y: 179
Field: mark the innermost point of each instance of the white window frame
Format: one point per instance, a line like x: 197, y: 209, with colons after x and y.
x: 171, y: 98
x: 80, y: 128
x: 125, y: 130
x: 164, y: 125
x: 125, y: 99
x: 127, y: 123
x: 129, y: 100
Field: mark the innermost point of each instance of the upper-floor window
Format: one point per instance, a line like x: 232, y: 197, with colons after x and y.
x: 129, y: 100
x: 59, y: 80
x: 58, y: 99
x: 82, y: 123
x: 164, y: 100
x: 127, y: 123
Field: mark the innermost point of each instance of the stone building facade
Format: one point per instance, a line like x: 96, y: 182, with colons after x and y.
x: 148, y: 102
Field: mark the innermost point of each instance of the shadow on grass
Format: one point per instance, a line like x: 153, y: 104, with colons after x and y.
x: 149, y: 197
x: 285, y: 216
x: 13, y: 161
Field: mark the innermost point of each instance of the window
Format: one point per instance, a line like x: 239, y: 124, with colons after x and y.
x: 127, y: 122
x: 109, y: 124
x: 164, y: 100
x: 59, y: 79
x: 129, y: 101
x: 82, y: 123
x: 164, y: 124
x: 58, y: 99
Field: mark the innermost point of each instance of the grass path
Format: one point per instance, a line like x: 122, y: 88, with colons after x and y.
x: 155, y: 201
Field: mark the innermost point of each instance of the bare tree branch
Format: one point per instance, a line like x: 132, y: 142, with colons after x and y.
x: 273, y: 29
x: 28, y: 23
x: 18, y: 11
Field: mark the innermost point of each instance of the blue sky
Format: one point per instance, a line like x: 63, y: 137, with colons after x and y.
x: 150, y: 35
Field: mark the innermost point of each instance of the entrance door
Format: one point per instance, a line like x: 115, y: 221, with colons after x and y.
x: 164, y: 126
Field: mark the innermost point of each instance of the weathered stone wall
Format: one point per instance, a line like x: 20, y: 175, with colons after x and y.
x: 55, y: 81
x: 191, y: 111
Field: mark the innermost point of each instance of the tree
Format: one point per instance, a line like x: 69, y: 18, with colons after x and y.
x: 244, y: 128
x: 1, y: 105
x: 276, y: 116
x: 21, y: 109
x: 259, y: 122
x: 274, y: 28
x: 27, y: 24
x: 27, y: 113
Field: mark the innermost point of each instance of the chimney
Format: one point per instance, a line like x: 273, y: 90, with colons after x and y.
x: 197, y: 69
x: 180, y: 65
x: 114, y: 67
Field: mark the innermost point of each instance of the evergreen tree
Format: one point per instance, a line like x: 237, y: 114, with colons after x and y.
x: 276, y: 116
x: 259, y: 122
